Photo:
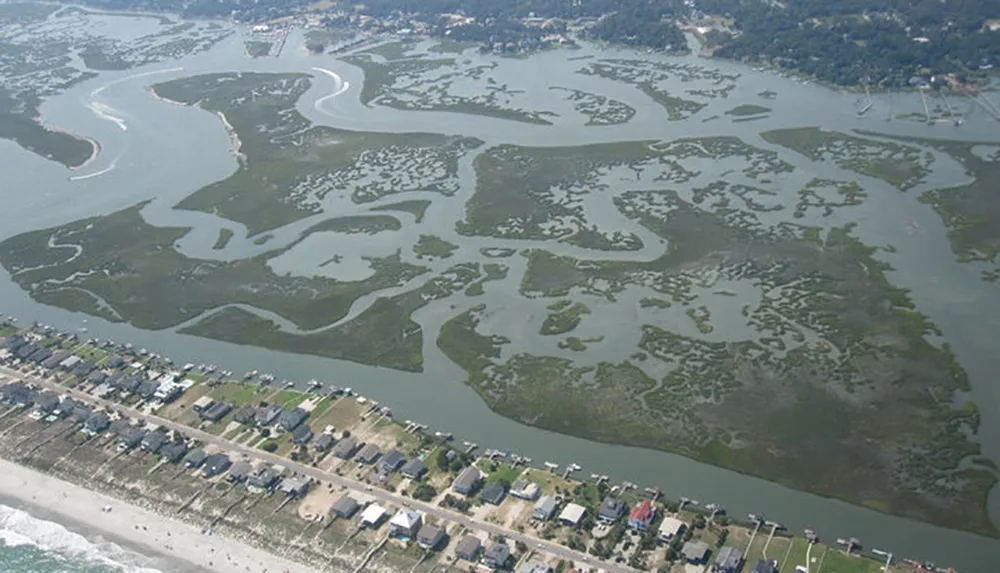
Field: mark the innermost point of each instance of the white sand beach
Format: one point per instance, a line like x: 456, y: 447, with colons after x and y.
x: 141, y: 528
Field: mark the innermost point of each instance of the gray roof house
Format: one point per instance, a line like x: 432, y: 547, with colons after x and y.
x: 368, y: 454
x: 65, y: 407
x: 81, y: 413
x: 497, y: 555
x: 544, y: 508
x: 611, y: 509
x: 466, y: 481
x: 295, y: 486
x: 345, y: 448
x: 195, y: 458
x: 302, y: 434
x: 728, y: 560
x: 97, y: 423
x: 391, y: 461
x: 153, y: 441
x: 493, y: 493
x: 345, y: 507
x: 468, y: 548
x: 695, y: 551
x: 414, y: 469
x: 765, y: 566
x: 292, y: 419
x: 46, y: 402
x: 239, y: 471
x: 215, y: 464
x: 429, y: 536
x: 267, y: 415
x: 265, y: 478
x: 323, y: 442
x: 173, y: 452
x: 147, y: 388
x: 215, y: 412
x: 132, y: 438
x: 245, y: 415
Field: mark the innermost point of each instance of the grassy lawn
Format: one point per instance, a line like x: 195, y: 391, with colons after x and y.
x: 503, y: 473
x: 342, y: 414
x: 796, y: 555
x: 835, y: 561
x: 180, y: 406
x: 549, y: 483
x: 234, y: 393
x: 289, y: 399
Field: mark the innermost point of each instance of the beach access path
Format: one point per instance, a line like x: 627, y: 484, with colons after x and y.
x: 140, y: 528
x: 346, y: 482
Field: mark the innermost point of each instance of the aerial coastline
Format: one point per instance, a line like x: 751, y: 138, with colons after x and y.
x: 215, y: 539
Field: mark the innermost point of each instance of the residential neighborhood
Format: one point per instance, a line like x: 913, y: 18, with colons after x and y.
x: 341, y: 461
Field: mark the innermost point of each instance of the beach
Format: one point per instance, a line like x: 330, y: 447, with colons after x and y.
x: 141, y: 529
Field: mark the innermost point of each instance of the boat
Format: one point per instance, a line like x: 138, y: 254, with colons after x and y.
x: 188, y: 367
x: 250, y: 374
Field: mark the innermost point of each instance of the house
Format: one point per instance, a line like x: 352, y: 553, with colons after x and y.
x: 497, y: 555
x: 132, y: 438
x: 429, y: 536
x: 153, y: 441
x: 84, y: 369
x: 18, y: 393
x: 572, y: 514
x: 173, y: 452
x: 695, y: 551
x: 54, y: 360
x: 195, y: 458
x: 215, y: 464
x: 114, y: 362
x: 147, y: 388
x: 405, y: 523
x: 467, y: 481
x: 168, y: 391
x: 97, y: 377
x: 295, y: 486
x: 292, y: 419
x: 468, y: 548
x: 368, y: 454
x: 40, y: 355
x: 345, y: 507
x: 765, y: 566
x: 535, y: 566
x: 345, y: 448
x: 302, y: 435
x: 239, y: 472
x: 46, y: 403
x: 544, y: 508
x: 267, y: 415
x: 202, y: 404
x: 97, y: 424
x: 372, y: 515
x: 728, y: 560
x: 414, y: 469
x: 70, y: 363
x: 524, y: 489
x: 65, y: 408
x: 215, y: 412
x: 493, y: 493
x: 670, y: 527
x: 264, y: 479
x: 641, y: 516
x: 611, y: 509
x: 81, y: 413
x: 245, y: 415
x: 25, y: 351
x: 391, y: 461
x: 324, y: 442
x: 130, y: 384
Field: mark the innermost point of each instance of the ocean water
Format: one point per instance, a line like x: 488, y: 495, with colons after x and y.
x: 30, y: 544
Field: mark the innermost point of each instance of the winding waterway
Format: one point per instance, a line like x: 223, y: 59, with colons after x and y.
x: 154, y: 150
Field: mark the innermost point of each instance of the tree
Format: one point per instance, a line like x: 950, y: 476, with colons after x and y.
x: 270, y: 447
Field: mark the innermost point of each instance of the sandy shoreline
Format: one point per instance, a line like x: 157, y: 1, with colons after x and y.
x: 233, y: 136
x: 137, y: 527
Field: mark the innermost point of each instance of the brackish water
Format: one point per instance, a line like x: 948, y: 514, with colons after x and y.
x: 154, y: 150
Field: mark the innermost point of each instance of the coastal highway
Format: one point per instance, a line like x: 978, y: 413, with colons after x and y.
x: 388, y: 497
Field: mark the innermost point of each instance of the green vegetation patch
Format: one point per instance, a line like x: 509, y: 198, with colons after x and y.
x: 122, y: 257
x: 900, y: 165
x: 747, y: 110
x: 433, y: 247
x: 416, y: 207
x: 565, y: 319
x: 840, y: 342
x: 367, y: 224
x: 287, y: 165
x: 258, y: 49
x: 225, y: 235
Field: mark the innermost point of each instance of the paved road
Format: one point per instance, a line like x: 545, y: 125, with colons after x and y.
x: 320, y: 475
